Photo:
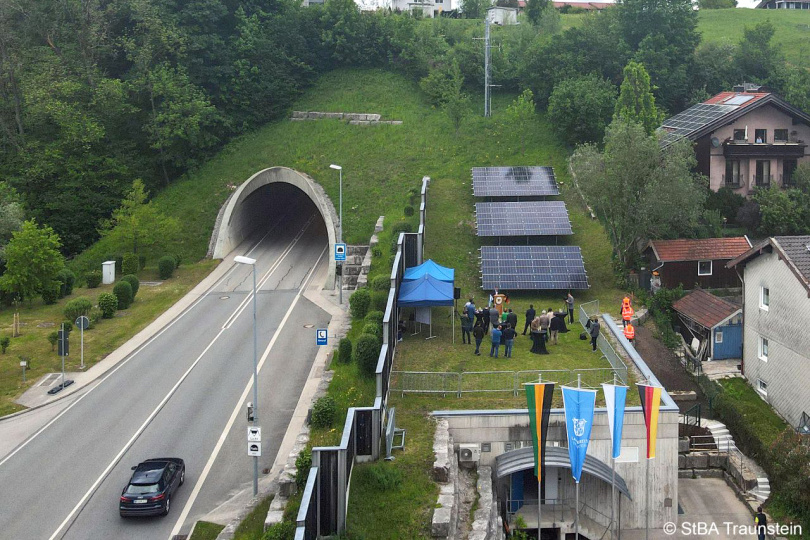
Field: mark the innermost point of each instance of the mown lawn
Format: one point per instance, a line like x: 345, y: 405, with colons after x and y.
x: 754, y: 410
x: 39, y: 320
x: 204, y: 530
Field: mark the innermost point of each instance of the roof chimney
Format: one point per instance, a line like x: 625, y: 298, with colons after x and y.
x: 747, y: 87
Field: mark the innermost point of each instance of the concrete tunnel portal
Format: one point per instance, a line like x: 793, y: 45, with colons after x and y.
x: 262, y: 200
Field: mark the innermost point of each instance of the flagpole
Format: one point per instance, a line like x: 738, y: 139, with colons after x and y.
x: 576, y: 500
x: 613, y: 482
x: 647, y: 503
x: 539, y: 488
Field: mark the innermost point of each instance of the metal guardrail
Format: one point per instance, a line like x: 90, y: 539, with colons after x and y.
x: 707, y: 443
x: 587, y: 310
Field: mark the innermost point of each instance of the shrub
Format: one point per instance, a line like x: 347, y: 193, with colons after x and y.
x: 177, y: 260
x: 77, y: 307
x: 359, y: 302
x: 376, y: 252
x: 50, y: 292
x: 141, y: 262
x: 284, y: 530
x: 67, y: 325
x: 166, y: 267
x: 323, y: 412
x: 130, y: 263
x: 67, y: 280
x: 133, y: 282
x: 5, y: 341
x: 374, y: 329
x: 413, y: 195
x: 408, y: 210
x: 95, y: 316
x: 384, y: 476
x: 302, y: 465
x: 725, y: 201
x: 374, y: 317
x: 123, y: 291
x: 108, y: 304
x: 400, y: 227
x: 381, y: 283
x: 93, y: 278
x: 379, y: 299
x: 119, y: 264
x: 367, y: 352
x: 345, y: 350
x: 53, y: 337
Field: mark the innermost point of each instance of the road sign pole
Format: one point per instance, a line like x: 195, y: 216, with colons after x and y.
x: 340, y: 233
x: 255, y: 386
x: 63, y: 355
x: 82, y: 366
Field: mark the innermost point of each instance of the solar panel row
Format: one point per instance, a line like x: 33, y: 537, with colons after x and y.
x: 514, y: 181
x: 533, y: 267
x: 537, y: 218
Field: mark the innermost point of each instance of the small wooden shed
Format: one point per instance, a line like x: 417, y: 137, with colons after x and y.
x: 709, y: 317
x: 691, y: 262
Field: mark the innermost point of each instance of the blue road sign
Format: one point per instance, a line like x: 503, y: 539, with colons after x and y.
x: 340, y: 252
x: 320, y: 336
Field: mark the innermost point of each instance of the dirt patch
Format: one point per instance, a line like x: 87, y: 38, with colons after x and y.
x: 667, y: 367
x: 467, y: 497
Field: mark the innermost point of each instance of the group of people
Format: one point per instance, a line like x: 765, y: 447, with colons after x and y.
x: 543, y: 328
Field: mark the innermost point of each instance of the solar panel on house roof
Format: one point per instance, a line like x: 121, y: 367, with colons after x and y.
x: 693, y: 119
x: 514, y: 181
x: 533, y: 267
x: 537, y: 218
x: 738, y: 100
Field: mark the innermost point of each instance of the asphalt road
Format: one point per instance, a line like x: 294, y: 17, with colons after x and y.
x: 182, y: 394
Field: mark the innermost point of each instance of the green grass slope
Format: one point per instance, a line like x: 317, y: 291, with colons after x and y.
x: 792, y: 29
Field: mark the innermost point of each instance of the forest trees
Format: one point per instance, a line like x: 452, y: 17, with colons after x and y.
x: 579, y: 108
x: 639, y: 190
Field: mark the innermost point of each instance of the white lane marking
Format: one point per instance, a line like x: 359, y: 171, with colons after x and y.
x: 239, y: 406
x: 132, y: 355
x: 132, y: 440
x: 266, y: 277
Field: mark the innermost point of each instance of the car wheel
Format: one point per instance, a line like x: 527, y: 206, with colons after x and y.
x: 182, y: 476
x: 166, y: 507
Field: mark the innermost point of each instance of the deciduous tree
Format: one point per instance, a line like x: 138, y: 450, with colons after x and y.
x: 32, y: 260
x: 520, y: 115
x: 581, y: 107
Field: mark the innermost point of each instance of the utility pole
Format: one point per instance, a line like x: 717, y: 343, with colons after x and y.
x: 487, y: 69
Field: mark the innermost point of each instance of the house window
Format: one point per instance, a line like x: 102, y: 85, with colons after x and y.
x: 764, y: 298
x: 732, y: 178
x: 788, y: 168
x: 718, y: 336
x: 763, y: 349
x: 762, y: 387
x: 704, y: 268
x: 780, y: 135
x: 739, y: 135
x: 762, y: 178
x: 761, y: 135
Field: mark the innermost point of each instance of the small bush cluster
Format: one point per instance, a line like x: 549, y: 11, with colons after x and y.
x: 367, y: 352
x: 381, y: 283
x: 133, y: 282
x: 379, y: 300
x: 67, y: 280
x: 166, y: 266
x: 123, y: 291
x: 93, y: 279
x: 408, y: 210
x: 345, y: 351
x: 375, y: 317
x: 324, y: 411
x: 359, y: 302
x: 108, y: 304
x: 50, y: 292
x: 5, y: 341
x: 130, y: 263
x: 373, y: 329
x: 303, y: 463
x: 77, y: 307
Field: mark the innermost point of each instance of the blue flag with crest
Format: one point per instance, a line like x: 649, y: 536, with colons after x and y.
x: 579, y: 406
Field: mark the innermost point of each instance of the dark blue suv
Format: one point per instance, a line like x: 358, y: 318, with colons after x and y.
x: 152, y: 486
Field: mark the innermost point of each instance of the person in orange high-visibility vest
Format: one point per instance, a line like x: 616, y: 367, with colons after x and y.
x: 627, y: 313
x: 630, y: 332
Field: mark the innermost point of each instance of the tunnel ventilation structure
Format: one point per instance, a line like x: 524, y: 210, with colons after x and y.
x: 261, y: 197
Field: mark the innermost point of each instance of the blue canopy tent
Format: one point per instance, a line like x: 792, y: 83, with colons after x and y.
x: 432, y: 269
x: 427, y: 292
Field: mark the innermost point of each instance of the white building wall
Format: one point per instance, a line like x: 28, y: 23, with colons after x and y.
x: 784, y: 325
x: 500, y: 429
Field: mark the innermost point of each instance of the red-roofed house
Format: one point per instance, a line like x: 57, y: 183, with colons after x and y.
x: 699, y: 262
x: 716, y: 322
x: 744, y: 139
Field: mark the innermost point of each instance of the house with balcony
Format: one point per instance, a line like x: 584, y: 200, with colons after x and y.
x: 776, y: 307
x: 784, y: 4
x: 743, y: 139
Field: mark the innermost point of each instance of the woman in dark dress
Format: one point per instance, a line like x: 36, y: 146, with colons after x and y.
x: 538, y: 344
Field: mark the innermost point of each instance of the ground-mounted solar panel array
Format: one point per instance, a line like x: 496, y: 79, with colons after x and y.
x: 531, y: 218
x: 533, y: 267
x: 514, y: 182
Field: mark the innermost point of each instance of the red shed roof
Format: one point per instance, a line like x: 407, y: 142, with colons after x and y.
x: 685, y: 249
x: 705, y: 308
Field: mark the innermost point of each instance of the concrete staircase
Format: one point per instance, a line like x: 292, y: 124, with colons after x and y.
x: 725, y: 442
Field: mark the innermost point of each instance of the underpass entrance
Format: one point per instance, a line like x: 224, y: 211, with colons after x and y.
x: 265, y: 198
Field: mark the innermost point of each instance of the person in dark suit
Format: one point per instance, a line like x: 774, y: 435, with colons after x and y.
x: 511, y: 319
x: 485, y: 317
x: 530, y: 314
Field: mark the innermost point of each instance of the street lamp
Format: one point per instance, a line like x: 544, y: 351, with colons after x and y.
x: 339, y: 169
x: 252, y: 262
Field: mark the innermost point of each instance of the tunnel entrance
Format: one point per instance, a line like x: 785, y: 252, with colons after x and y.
x: 265, y: 198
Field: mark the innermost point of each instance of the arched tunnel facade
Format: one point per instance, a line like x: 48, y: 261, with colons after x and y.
x: 259, y: 203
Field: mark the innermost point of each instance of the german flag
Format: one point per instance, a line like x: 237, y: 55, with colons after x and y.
x: 538, y: 399
x: 650, y: 403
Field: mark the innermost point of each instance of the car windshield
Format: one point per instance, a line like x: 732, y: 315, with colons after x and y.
x: 140, y: 489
